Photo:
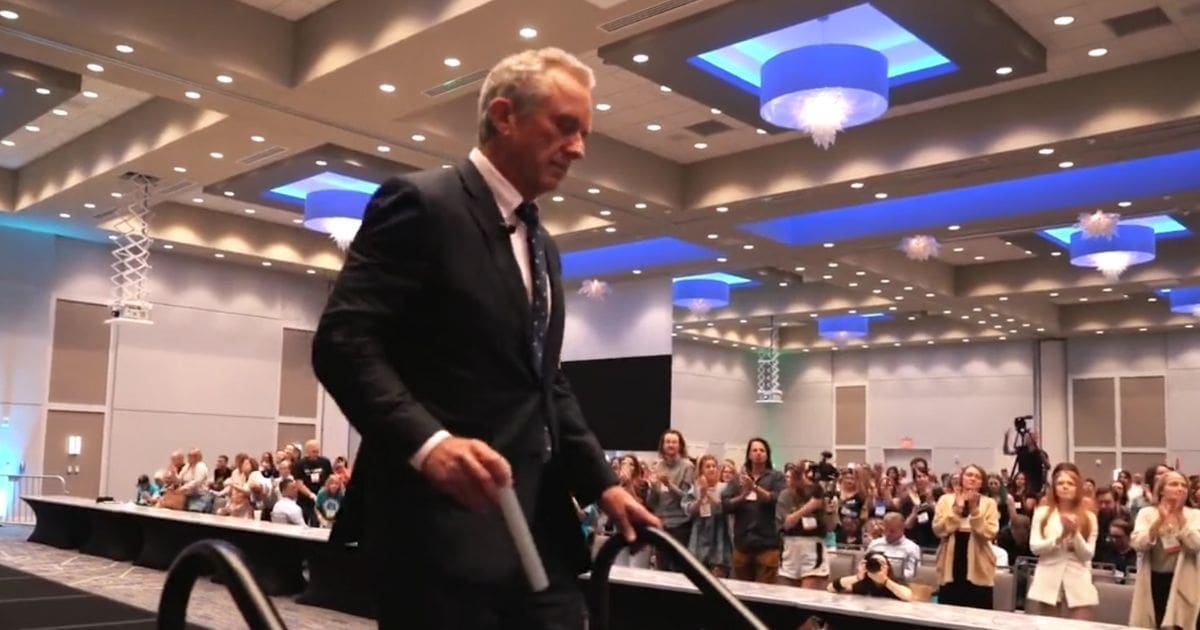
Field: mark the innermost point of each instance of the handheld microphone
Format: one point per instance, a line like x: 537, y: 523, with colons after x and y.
x: 509, y: 228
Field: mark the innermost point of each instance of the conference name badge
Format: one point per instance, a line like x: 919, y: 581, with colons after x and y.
x: 922, y: 518
x: 705, y: 510
x: 1170, y: 543
x: 808, y: 522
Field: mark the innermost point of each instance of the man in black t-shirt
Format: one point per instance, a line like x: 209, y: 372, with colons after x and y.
x: 313, y: 471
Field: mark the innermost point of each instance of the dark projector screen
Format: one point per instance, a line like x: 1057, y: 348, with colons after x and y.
x: 626, y: 401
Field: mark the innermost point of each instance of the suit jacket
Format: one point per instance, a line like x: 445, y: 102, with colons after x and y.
x: 1058, y: 569
x: 1183, y: 604
x: 428, y: 327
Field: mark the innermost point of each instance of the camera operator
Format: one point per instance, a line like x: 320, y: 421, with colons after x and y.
x: 1030, y: 458
x: 875, y: 578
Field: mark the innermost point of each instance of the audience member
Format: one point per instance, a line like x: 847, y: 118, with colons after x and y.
x: 146, y: 492
x: 329, y: 500
x: 286, y: 510
x: 220, y: 472
x: 266, y: 465
x: 966, y: 522
x: 312, y: 470
x: 917, y: 507
x: 193, y: 479
x: 1005, y: 503
x: 902, y: 552
x: 751, y: 499
x: 1118, y: 552
x: 1064, y: 539
x: 341, y: 468
x: 850, y: 506
x: 875, y: 578
x: 709, y: 539
x: 672, y: 480
x: 633, y: 480
x: 800, y: 518
x: 1167, y: 535
x: 1015, y: 540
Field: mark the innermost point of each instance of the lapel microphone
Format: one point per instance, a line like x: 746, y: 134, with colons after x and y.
x: 509, y: 228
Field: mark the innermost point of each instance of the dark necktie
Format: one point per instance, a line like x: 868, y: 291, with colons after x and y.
x: 539, y: 305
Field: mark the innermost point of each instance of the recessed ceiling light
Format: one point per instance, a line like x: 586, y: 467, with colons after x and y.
x: 980, y: 258
x: 1189, y: 325
x: 610, y: 229
x: 1056, y: 254
x: 557, y: 198
x: 257, y: 138
x: 8, y: 143
x: 416, y: 137
x: 1099, y: 332
x: 653, y: 127
x: 124, y: 49
x: 947, y: 312
x: 1004, y: 70
x: 954, y: 228
x: 881, y: 195
x: 1097, y: 52
x: 528, y: 32
x: 1142, y: 329
x: 639, y: 205
x: 641, y: 58
x: 179, y: 169
x: 1046, y: 151
x: 741, y: 321
x: 58, y: 111
x: 266, y: 263
x: 321, y: 163
x: 885, y: 281
x: 383, y: 148
x: 9, y: 15
x: 197, y: 200
x: 1028, y: 253
x: 1003, y: 338
x: 1124, y: 204
x: 1106, y: 290
x: 112, y: 237
x: 930, y: 342
x: 713, y: 236
x: 722, y: 209
x: 833, y: 265
x: 783, y: 283
x: 85, y: 93
x: 64, y: 215
x: 899, y: 298
x: 798, y: 268
x: 701, y: 145
x: 908, y: 288
x: 876, y: 291
x: 248, y: 210
x: 387, y: 87
x: 852, y: 285
x: 714, y: 111
x: 95, y: 67
x: 722, y: 259
x: 310, y: 272
x: 857, y: 185
x: 228, y: 193
x: 44, y: 91
x: 827, y: 277
x: 89, y: 205
x: 297, y: 221
x: 1066, y: 164
x: 603, y: 107
x: 192, y: 94
x: 452, y: 62
x: 32, y: 128
x: 748, y: 246
x: 860, y: 273
x: 218, y: 255
x: 447, y: 166
x: 1064, y: 20
x: 1054, y: 294
x: 637, y: 272
x: 828, y: 245
x: 1151, y: 299
x: 606, y: 212
x: 1083, y: 299
x: 168, y: 246
x: 929, y: 295
x: 224, y: 78
x: 1041, y: 330
x: 761, y: 132
x: 593, y: 191
x: 116, y: 195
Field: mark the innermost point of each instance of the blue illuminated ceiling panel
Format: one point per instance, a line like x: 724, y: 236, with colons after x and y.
x: 1071, y: 188
x: 1164, y: 227
x: 296, y: 191
x: 732, y: 280
x: 654, y: 252
x: 909, y: 58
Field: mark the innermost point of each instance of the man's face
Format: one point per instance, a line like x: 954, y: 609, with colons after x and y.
x: 312, y: 451
x: 670, y: 445
x: 1105, y: 503
x: 1118, y: 538
x: 545, y: 140
x: 893, y: 532
x: 222, y: 462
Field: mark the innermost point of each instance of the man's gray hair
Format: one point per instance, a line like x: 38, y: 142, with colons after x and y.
x: 519, y: 78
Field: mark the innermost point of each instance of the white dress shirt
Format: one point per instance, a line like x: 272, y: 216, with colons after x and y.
x: 288, y: 512
x: 507, y: 200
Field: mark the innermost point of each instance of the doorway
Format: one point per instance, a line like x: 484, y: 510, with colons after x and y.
x: 74, y: 440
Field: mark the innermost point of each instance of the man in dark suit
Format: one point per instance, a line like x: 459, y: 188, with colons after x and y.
x: 441, y: 341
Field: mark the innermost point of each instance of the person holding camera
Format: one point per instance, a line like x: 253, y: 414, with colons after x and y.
x: 800, y: 515
x: 1030, y: 458
x: 875, y: 578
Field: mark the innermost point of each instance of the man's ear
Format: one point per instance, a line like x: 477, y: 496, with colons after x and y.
x: 502, y: 114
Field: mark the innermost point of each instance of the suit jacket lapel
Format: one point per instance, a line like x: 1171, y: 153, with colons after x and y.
x: 487, y: 217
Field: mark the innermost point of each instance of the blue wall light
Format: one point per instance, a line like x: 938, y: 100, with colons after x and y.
x: 842, y: 327
x: 700, y: 295
x: 1130, y: 245
x: 1186, y: 300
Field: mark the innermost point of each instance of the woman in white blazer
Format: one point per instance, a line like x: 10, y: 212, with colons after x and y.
x: 1167, y: 538
x: 1063, y: 537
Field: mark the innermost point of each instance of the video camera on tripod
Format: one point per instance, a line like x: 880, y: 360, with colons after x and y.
x: 1021, y: 424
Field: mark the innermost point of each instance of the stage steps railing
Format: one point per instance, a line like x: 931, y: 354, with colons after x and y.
x: 14, y: 511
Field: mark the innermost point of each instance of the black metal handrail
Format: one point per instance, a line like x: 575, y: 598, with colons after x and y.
x: 714, y: 593
x: 223, y: 559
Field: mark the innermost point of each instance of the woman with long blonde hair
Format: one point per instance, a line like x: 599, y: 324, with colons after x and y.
x: 1167, y: 538
x: 709, y: 538
x: 1063, y: 537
